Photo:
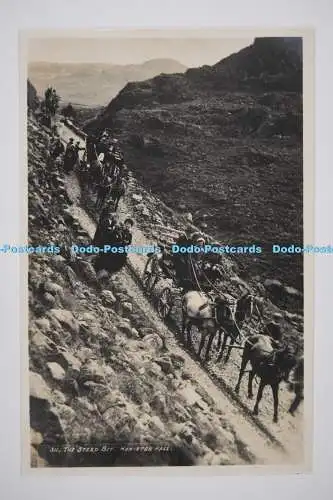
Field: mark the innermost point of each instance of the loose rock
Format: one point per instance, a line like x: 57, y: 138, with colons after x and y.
x: 57, y: 372
x: 66, y: 319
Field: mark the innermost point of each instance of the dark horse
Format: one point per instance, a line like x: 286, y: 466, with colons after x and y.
x: 103, y: 192
x: 230, y: 326
x: 117, y: 191
x: 271, y: 365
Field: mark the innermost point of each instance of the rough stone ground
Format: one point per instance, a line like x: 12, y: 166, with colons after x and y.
x: 103, y: 367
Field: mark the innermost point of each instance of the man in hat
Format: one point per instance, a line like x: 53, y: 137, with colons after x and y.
x: 58, y: 149
x: 70, y: 144
x: 127, y: 231
x: 69, y: 158
x: 77, y: 148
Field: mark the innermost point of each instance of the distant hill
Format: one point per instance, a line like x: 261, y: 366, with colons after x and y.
x: 225, y: 143
x: 95, y: 84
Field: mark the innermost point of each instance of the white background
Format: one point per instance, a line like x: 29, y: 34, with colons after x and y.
x: 30, y: 14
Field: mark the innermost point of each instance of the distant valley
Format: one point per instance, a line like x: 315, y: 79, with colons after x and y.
x: 94, y: 84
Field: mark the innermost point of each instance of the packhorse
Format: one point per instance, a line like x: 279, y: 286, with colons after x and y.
x: 117, y: 191
x: 271, y: 365
x: 207, y: 311
x: 103, y: 192
x: 230, y: 326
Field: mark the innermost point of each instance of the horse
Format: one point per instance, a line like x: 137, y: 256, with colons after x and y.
x: 205, y: 310
x: 117, y: 191
x: 230, y: 326
x: 297, y: 385
x: 272, y: 365
x: 103, y: 192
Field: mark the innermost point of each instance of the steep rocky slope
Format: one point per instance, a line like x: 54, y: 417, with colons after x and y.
x: 225, y: 143
x: 100, y: 371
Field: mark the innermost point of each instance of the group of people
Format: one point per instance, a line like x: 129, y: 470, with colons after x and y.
x: 105, y: 170
x: 71, y: 156
x: 112, y: 233
x: 109, y: 182
x: 191, y: 271
x: 70, y: 153
x: 109, y: 230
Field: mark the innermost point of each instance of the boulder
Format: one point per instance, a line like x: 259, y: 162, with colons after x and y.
x: 158, y: 403
x: 127, y: 307
x: 125, y: 327
x: 43, y: 324
x: 205, y: 396
x: 108, y: 298
x: 85, y: 406
x: 89, y: 317
x: 68, y: 361
x: 43, y: 345
x: 39, y: 388
x: 153, y: 369
x: 66, y: 319
x: 66, y: 413
x: 137, y: 197
x: 56, y: 371
x: 59, y: 397
x: 53, y: 288
x: 153, y: 341
x: 190, y: 397
x: 166, y: 364
x: 178, y: 361
x: 35, y: 437
x: 91, y: 371
x: 145, y: 212
x: 135, y: 333
x: 146, y: 331
x: 121, y: 420
x: 59, y: 262
x: 84, y: 354
x: 140, y: 207
x: 111, y: 399
x: 87, y: 271
x: 49, y: 299
x: 184, y: 431
x: 157, y: 426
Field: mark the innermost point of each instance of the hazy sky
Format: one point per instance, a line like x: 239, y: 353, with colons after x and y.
x: 191, y: 52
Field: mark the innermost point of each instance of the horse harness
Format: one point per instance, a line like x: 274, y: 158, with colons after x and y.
x: 229, y: 307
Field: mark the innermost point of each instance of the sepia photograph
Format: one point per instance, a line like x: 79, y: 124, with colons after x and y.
x: 169, y: 260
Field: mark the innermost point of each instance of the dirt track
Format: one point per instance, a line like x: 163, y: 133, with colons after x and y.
x: 259, y: 434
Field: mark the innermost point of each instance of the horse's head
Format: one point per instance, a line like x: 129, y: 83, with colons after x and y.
x: 286, y: 360
x: 245, y: 305
x: 226, y: 308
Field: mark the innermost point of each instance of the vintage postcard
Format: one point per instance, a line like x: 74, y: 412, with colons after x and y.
x: 167, y: 257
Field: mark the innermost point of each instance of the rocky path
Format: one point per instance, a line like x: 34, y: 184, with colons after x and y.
x: 254, y: 432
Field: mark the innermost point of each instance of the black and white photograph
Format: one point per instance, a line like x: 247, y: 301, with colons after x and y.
x: 166, y: 250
